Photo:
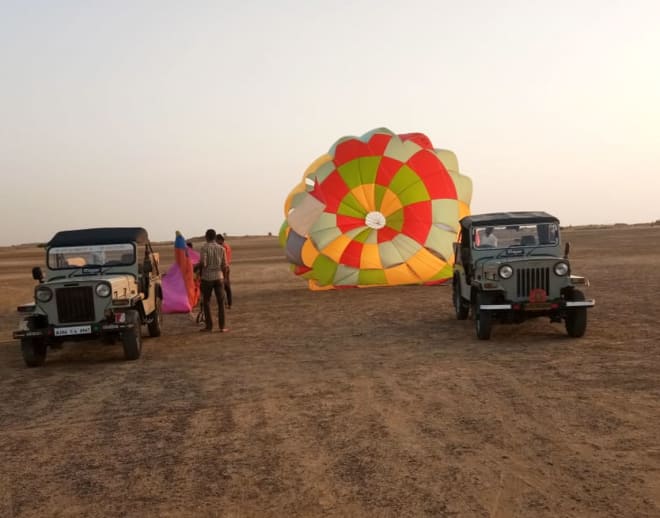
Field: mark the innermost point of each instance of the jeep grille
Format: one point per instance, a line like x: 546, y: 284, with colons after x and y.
x: 75, y: 304
x: 528, y: 279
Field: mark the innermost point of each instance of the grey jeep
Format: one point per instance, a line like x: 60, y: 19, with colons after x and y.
x: 100, y: 284
x: 510, y: 267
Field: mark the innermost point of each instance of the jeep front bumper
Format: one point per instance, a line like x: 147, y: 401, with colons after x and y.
x: 73, y: 332
x: 535, y: 306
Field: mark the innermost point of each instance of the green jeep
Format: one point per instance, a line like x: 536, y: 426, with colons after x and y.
x: 510, y: 267
x: 100, y: 283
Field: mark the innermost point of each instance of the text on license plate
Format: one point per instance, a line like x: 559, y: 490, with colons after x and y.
x: 74, y: 330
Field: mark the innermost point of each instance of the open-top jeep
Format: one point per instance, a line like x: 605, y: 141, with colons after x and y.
x: 100, y: 283
x: 510, y: 267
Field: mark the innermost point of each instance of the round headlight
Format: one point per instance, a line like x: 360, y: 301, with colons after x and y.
x: 561, y: 268
x: 103, y: 289
x: 43, y: 294
x: 505, y: 271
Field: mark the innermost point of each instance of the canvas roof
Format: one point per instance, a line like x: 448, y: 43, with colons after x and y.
x: 99, y: 236
x: 508, y: 218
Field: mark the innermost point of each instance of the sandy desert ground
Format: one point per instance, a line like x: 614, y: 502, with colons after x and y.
x: 364, y: 402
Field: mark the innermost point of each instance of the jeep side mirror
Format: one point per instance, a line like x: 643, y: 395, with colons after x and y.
x: 457, y: 252
x: 465, y: 255
x: 37, y: 274
x: 567, y: 249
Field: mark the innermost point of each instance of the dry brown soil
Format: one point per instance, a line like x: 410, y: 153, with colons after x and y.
x: 363, y: 402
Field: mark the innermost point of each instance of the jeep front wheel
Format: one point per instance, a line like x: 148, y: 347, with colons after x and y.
x: 34, y: 351
x: 576, y: 318
x: 461, y: 308
x: 483, y: 319
x: 131, y: 337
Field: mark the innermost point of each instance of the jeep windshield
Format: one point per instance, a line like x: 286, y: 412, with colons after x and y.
x: 86, y: 256
x: 507, y: 236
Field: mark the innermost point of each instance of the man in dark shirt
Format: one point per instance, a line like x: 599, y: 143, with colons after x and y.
x: 227, y: 283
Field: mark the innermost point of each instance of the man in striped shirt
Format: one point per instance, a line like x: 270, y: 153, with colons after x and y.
x: 213, y: 263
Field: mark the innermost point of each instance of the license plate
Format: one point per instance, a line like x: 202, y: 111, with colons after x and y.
x: 538, y: 306
x: 74, y: 330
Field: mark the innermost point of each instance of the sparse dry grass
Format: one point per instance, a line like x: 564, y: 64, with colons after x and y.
x: 373, y: 402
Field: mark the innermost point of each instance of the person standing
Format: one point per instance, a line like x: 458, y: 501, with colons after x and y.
x: 212, y: 263
x: 227, y: 282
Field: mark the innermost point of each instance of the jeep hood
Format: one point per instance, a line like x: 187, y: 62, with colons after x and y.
x: 122, y: 285
x: 533, y: 258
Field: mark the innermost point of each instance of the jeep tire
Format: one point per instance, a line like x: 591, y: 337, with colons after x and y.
x: 34, y: 351
x: 483, y: 319
x: 461, y: 308
x: 156, y: 319
x: 576, y: 318
x: 131, y: 337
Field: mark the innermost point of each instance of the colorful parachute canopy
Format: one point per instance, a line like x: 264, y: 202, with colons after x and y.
x: 382, y: 209
x: 180, y: 291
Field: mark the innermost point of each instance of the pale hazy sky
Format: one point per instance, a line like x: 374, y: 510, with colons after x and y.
x: 189, y: 115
